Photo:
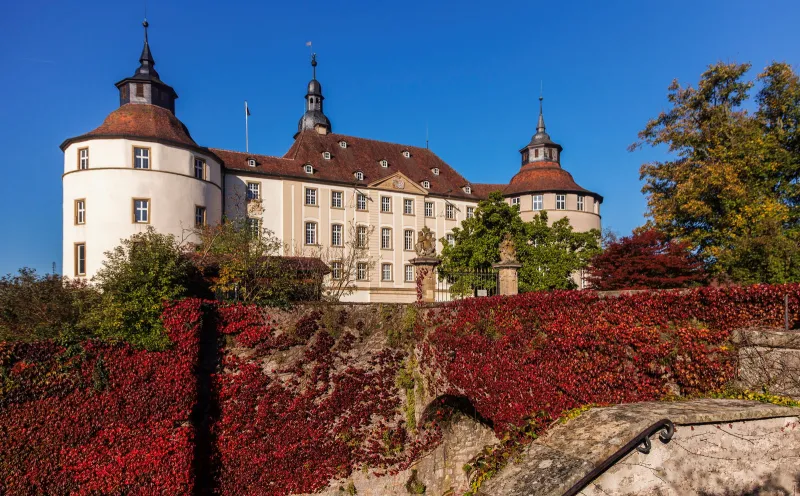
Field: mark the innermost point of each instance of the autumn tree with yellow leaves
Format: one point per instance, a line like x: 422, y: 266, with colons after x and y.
x: 733, y: 188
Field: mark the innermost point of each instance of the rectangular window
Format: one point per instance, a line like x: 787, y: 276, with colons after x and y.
x: 386, y: 238
x: 80, y: 259
x: 141, y: 158
x: 141, y: 211
x: 254, y: 227
x: 83, y: 158
x: 80, y: 211
x: 386, y: 204
x: 580, y: 202
x: 408, y: 206
x: 361, y: 231
x: 451, y: 240
x: 337, y: 234
x: 386, y: 272
x: 311, y: 233
x: 408, y: 239
x: 311, y: 196
x: 409, y: 273
x: 253, y: 191
x: 361, y: 202
x: 336, y: 199
x: 199, y: 216
x: 450, y: 211
x: 361, y: 271
x: 538, y: 202
x: 561, y: 202
x: 429, y: 211
x: 336, y: 270
x: 515, y: 201
x: 470, y: 212
x: 199, y: 168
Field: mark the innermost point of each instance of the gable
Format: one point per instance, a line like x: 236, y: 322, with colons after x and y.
x: 399, y: 182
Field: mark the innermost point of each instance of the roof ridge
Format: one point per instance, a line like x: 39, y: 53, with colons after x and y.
x: 378, y: 141
x: 248, y: 153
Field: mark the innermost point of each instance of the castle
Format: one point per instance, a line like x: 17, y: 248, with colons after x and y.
x: 142, y: 168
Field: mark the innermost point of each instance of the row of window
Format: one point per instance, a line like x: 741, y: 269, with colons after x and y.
x: 362, y: 271
x: 141, y: 160
x: 561, y: 202
x: 337, y: 236
x: 141, y: 212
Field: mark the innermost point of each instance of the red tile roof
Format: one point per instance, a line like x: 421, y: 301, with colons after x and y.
x: 544, y: 177
x: 360, y: 154
x: 136, y: 120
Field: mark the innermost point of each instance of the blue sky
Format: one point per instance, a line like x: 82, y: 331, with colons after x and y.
x: 469, y: 70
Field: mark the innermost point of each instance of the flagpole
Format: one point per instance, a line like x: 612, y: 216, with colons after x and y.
x: 246, y: 130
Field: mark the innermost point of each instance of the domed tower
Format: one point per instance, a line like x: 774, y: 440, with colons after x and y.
x: 140, y: 168
x: 314, y: 118
x: 542, y: 184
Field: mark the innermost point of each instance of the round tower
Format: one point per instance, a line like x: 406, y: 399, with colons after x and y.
x: 139, y: 168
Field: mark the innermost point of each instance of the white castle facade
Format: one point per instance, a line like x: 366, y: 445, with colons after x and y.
x: 142, y: 168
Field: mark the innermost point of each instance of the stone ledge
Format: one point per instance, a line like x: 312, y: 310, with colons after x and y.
x: 767, y: 338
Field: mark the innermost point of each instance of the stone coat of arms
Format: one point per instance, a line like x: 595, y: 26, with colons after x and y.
x: 426, y: 244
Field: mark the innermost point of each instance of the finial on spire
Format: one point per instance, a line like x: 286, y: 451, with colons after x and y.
x: 314, y: 65
x: 540, y: 124
x: 145, y: 24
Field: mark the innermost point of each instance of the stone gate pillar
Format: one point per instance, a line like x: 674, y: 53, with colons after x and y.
x: 424, y: 265
x: 507, y: 268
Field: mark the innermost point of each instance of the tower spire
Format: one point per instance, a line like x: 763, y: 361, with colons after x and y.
x: 146, y: 61
x: 314, y: 65
x: 314, y: 118
x: 540, y: 125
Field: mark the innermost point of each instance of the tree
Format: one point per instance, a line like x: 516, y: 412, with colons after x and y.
x: 137, y: 278
x: 646, y: 260
x: 732, y: 189
x: 549, y: 254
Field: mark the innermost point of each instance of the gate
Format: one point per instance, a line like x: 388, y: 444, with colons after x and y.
x: 459, y: 285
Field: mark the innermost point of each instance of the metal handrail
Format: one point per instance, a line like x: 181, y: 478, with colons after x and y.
x: 640, y: 443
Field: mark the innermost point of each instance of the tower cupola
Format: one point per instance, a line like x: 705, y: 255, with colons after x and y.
x: 541, y: 148
x: 314, y: 118
x: 145, y: 86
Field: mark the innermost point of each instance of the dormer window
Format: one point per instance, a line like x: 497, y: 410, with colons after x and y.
x: 406, y: 153
x: 384, y: 163
x: 359, y: 175
x: 326, y: 155
x: 467, y: 190
x: 426, y: 184
x: 251, y: 162
x: 343, y: 144
x: 435, y: 171
x: 308, y: 168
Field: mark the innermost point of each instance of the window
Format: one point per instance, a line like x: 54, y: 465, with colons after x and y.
x: 308, y: 168
x: 361, y: 201
x: 429, y: 211
x: 467, y: 190
x: 343, y: 144
x: 199, y: 216
x: 254, y: 227
x: 199, y: 168
x: 141, y: 211
x: 555, y: 154
x: 386, y: 272
x: 451, y: 240
x: 336, y: 199
x: 141, y: 158
x: 580, y: 202
x: 561, y: 202
x: 386, y: 204
x: 546, y: 153
x: 384, y: 164
x: 470, y: 212
x: 408, y: 239
x: 83, y: 158
x: 524, y: 157
x: 359, y: 175
x: 435, y: 171
x: 140, y: 90
x: 311, y: 196
x: 408, y: 206
x: 80, y: 211
x: 251, y: 162
x: 449, y: 211
x: 536, y: 153
x: 386, y: 238
x: 361, y: 232
x: 361, y: 271
x: 336, y: 234
x: 426, y: 184
x: 406, y: 153
x: 538, y: 202
x: 253, y: 191
x: 311, y: 233
x: 326, y: 155
x: 409, y: 269
x: 80, y: 259
x: 515, y: 201
x: 336, y: 270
